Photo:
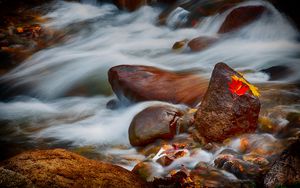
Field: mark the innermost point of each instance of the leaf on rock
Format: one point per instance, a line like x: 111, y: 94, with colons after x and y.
x: 240, y: 86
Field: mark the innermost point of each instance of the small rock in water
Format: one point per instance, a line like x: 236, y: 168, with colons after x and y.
x: 156, y: 122
x: 144, y: 83
x: 204, y: 175
x: 227, y: 110
x: 180, y: 45
x: 201, y: 43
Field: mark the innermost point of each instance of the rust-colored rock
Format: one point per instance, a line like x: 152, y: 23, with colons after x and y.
x: 61, y: 168
x: 223, y: 114
x: 241, y: 16
x: 201, y: 43
x: 144, y: 83
x: 156, y: 122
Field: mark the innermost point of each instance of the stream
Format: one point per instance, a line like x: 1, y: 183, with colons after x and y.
x: 48, y: 113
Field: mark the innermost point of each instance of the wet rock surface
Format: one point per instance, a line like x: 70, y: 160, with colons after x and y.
x: 60, y: 168
x: 11, y: 179
x: 286, y: 170
x: 197, y: 10
x: 223, y: 114
x: 156, y: 122
x: 201, y: 43
x: 143, y: 83
x: 241, y: 16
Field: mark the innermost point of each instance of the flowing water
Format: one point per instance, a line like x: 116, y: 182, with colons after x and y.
x: 101, y: 36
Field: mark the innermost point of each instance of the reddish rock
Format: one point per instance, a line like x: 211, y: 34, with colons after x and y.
x: 130, y: 5
x: 144, y: 83
x: 241, y: 16
x: 223, y: 114
x: 156, y: 122
x: 61, y: 168
x: 200, y: 43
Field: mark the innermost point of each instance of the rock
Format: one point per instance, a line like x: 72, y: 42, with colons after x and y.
x: 278, y: 72
x: 147, y: 170
x: 197, y: 10
x: 178, y: 179
x: 292, y: 129
x: 204, y: 175
x: 223, y: 114
x: 245, y: 170
x: 286, y: 170
x: 132, y: 5
x: 156, y: 122
x: 179, y: 45
x: 144, y: 83
x: 201, y: 43
x: 11, y: 179
x: 61, y: 168
x: 241, y: 16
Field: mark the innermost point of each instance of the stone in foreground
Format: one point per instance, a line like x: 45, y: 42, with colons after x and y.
x: 223, y: 114
x: 61, y: 168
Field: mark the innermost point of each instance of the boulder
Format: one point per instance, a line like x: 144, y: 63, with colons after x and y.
x: 241, y: 16
x: 144, y: 83
x: 286, y: 170
x: 61, y: 168
x: 155, y: 122
x: 227, y: 110
x: 201, y: 43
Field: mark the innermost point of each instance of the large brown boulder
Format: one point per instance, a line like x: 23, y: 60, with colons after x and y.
x: 223, y: 114
x: 241, y: 16
x: 155, y: 122
x: 61, y: 168
x: 144, y: 83
x: 201, y: 43
x: 286, y: 170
